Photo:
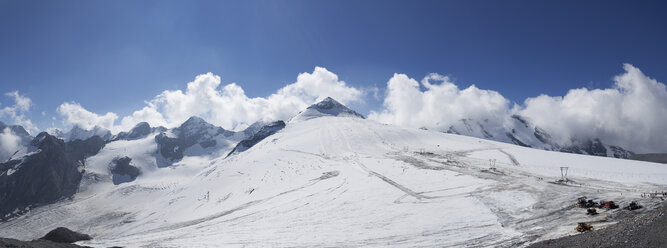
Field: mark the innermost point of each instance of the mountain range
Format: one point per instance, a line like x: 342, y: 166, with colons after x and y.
x: 327, y: 176
x: 520, y: 131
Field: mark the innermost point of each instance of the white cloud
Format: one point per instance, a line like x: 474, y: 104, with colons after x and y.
x: 16, y: 113
x: 441, y: 104
x: 227, y: 106
x: 9, y: 143
x: 74, y: 114
x: 632, y: 114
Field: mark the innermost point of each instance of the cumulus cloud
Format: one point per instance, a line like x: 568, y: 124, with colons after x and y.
x: 9, y: 143
x: 17, y: 112
x: 227, y: 105
x: 440, y: 105
x: 74, y: 114
x: 632, y: 113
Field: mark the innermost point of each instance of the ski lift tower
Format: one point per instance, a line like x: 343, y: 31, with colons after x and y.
x: 563, y: 174
x: 492, y: 164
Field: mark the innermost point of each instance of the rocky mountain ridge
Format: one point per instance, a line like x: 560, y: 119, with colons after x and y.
x: 519, y: 130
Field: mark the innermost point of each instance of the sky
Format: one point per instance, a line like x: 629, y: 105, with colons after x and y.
x: 114, y: 63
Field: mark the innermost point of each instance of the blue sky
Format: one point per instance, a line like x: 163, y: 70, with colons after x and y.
x: 111, y: 56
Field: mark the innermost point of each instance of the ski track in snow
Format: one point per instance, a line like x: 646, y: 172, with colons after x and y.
x: 340, y: 181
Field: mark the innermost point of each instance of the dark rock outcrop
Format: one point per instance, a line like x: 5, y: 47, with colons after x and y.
x: 650, y: 157
x: 51, y: 172
x: 542, y: 136
x: 590, y: 147
x: 57, y: 238
x: 266, y: 131
x: 38, y: 243
x: 521, y: 120
x: 594, y: 147
x: 253, y: 129
x: 80, y: 149
x: 122, y: 171
x: 64, y: 235
x: 515, y: 140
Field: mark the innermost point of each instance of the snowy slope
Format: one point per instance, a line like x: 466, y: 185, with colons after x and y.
x: 342, y: 181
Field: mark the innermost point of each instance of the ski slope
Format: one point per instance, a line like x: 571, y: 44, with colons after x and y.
x: 344, y: 181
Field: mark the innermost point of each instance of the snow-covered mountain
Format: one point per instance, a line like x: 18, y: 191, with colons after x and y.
x: 14, y: 140
x: 79, y: 133
x: 142, y: 129
x: 331, y: 178
x: 520, y: 131
x: 266, y: 130
x: 48, y: 171
x: 196, y: 137
x: 326, y: 107
x: 120, y: 158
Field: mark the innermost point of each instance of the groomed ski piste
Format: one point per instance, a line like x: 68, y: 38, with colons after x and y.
x: 332, y: 181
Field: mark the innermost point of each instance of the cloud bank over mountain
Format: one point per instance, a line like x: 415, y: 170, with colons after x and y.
x: 227, y: 106
x: 631, y: 114
x: 440, y: 105
x: 17, y: 112
x: 74, y: 114
x: 9, y: 143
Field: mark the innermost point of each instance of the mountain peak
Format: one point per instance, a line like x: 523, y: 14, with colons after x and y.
x: 16, y: 129
x: 327, y: 103
x: 141, y: 125
x: 327, y: 107
x: 195, y: 121
x: 138, y: 131
x: 81, y: 133
x: 43, y: 139
x: 196, y: 126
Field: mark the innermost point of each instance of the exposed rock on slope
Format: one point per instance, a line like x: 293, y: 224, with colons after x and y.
x: 38, y: 243
x: 57, y: 238
x: 266, y: 131
x: 64, y: 235
x: 172, y: 143
x: 122, y: 171
x: 651, y: 157
x: 326, y: 107
x: 51, y: 171
x: 140, y: 130
x: 519, y: 131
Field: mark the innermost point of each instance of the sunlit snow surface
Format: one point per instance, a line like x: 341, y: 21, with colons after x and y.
x: 341, y: 181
